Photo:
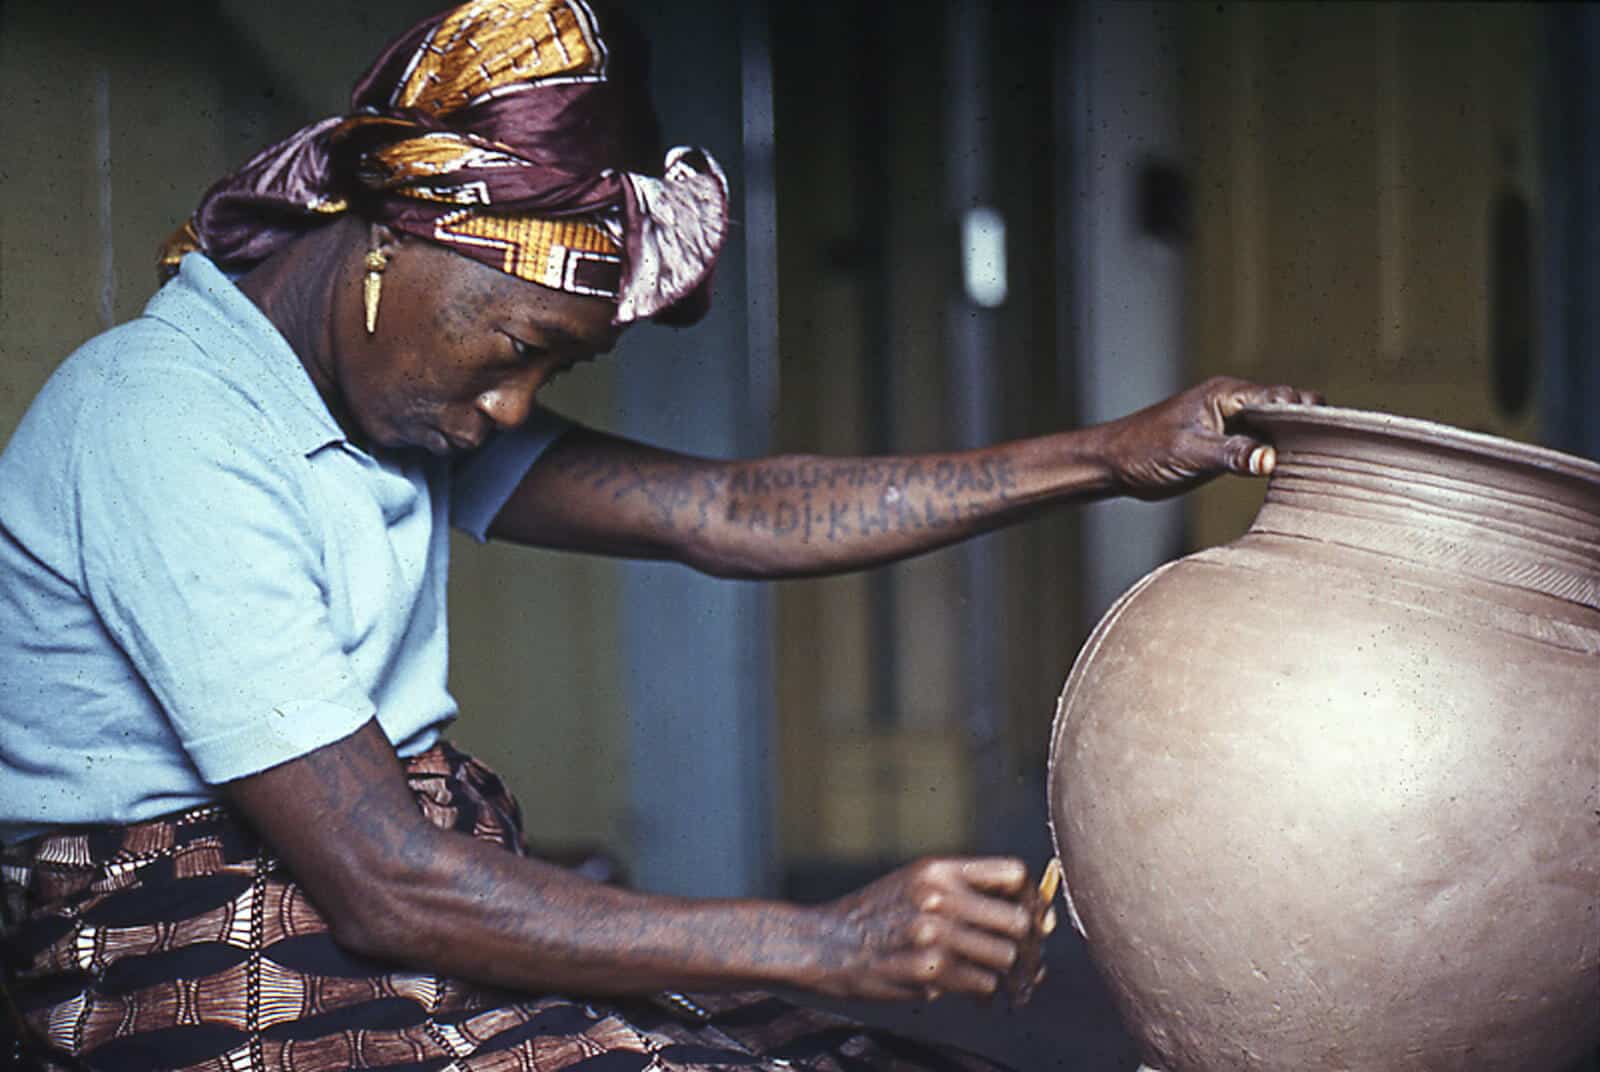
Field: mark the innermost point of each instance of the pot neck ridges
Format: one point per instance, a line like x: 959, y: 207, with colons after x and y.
x: 1439, y: 497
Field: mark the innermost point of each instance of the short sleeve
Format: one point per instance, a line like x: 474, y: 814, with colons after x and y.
x: 199, y: 553
x: 484, y: 482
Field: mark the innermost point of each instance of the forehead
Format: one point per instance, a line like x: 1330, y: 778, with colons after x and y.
x: 470, y: 294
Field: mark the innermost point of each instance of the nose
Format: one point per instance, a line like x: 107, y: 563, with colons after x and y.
x: 508, y: 404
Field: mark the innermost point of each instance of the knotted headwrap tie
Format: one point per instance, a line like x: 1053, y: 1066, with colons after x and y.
x: 510, y: 131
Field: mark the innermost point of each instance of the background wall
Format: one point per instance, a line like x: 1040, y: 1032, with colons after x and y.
x: 1361, y: 173
x: 881, y: 759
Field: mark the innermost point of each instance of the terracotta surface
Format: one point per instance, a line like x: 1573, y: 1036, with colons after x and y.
x: 1327, y: 796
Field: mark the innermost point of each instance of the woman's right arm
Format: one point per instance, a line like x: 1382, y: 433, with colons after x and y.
x: 393, y: 886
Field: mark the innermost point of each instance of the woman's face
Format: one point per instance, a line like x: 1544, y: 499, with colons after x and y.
x: 460, y: 350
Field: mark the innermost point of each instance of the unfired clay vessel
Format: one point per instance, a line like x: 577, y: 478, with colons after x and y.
x: 1327, y: 797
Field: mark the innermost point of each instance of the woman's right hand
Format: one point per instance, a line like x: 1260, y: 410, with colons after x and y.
x: 1180, y: 443
x: 937, y: 926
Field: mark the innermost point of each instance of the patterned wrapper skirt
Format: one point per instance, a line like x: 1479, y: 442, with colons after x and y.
x: 181, y: 943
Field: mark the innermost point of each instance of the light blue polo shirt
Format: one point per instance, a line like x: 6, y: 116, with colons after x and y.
x: 201, y: 577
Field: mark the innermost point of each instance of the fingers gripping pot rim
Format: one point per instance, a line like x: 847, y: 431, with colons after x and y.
x: 1320, y: 793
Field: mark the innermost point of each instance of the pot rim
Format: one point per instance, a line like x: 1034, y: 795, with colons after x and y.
x: 1270, y: 416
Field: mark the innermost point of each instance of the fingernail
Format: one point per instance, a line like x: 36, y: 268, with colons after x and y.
x: 1262, y: 461
x: 1050, y: 881
x: 1048, y: 926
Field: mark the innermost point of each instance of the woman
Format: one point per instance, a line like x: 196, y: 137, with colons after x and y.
x: 236, y: 838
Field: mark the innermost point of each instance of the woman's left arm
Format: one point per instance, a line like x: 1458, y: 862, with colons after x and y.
x: 800, y: 515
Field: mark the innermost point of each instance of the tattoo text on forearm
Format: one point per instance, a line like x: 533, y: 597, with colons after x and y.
x: 811, y: 499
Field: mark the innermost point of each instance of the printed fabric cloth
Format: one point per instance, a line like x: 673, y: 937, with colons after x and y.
x: 181, y: 943
x: 519, y: 133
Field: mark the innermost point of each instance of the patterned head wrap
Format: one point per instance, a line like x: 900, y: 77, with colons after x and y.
x: 512, y: 132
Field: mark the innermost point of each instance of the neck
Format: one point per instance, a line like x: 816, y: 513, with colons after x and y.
x: 295, y: 288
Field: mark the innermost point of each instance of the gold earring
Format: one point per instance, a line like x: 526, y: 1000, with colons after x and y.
x: 372, y: 286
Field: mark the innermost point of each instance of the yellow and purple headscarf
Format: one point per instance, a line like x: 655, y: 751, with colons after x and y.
x: 511, y: 131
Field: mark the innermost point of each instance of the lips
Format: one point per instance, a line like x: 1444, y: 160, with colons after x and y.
x: 463, y: 443
x: 441, y: 444
x: 442, y: 440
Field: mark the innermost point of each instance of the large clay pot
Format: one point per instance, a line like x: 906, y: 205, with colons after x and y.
x: 1327, y: 797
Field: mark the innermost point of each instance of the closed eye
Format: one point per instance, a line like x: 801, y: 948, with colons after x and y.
x: 525, y: 352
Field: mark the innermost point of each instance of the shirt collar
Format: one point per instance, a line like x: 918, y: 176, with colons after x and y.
x: 205, y: 305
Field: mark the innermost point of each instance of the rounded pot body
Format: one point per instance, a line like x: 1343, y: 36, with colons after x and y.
x: 1326, y: 797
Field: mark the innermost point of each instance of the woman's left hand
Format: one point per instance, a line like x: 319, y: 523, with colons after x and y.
x: 1180, y: 443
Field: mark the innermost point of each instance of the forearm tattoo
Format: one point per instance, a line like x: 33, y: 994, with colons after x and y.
x: 806, y: 500
x: 682, y: 495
